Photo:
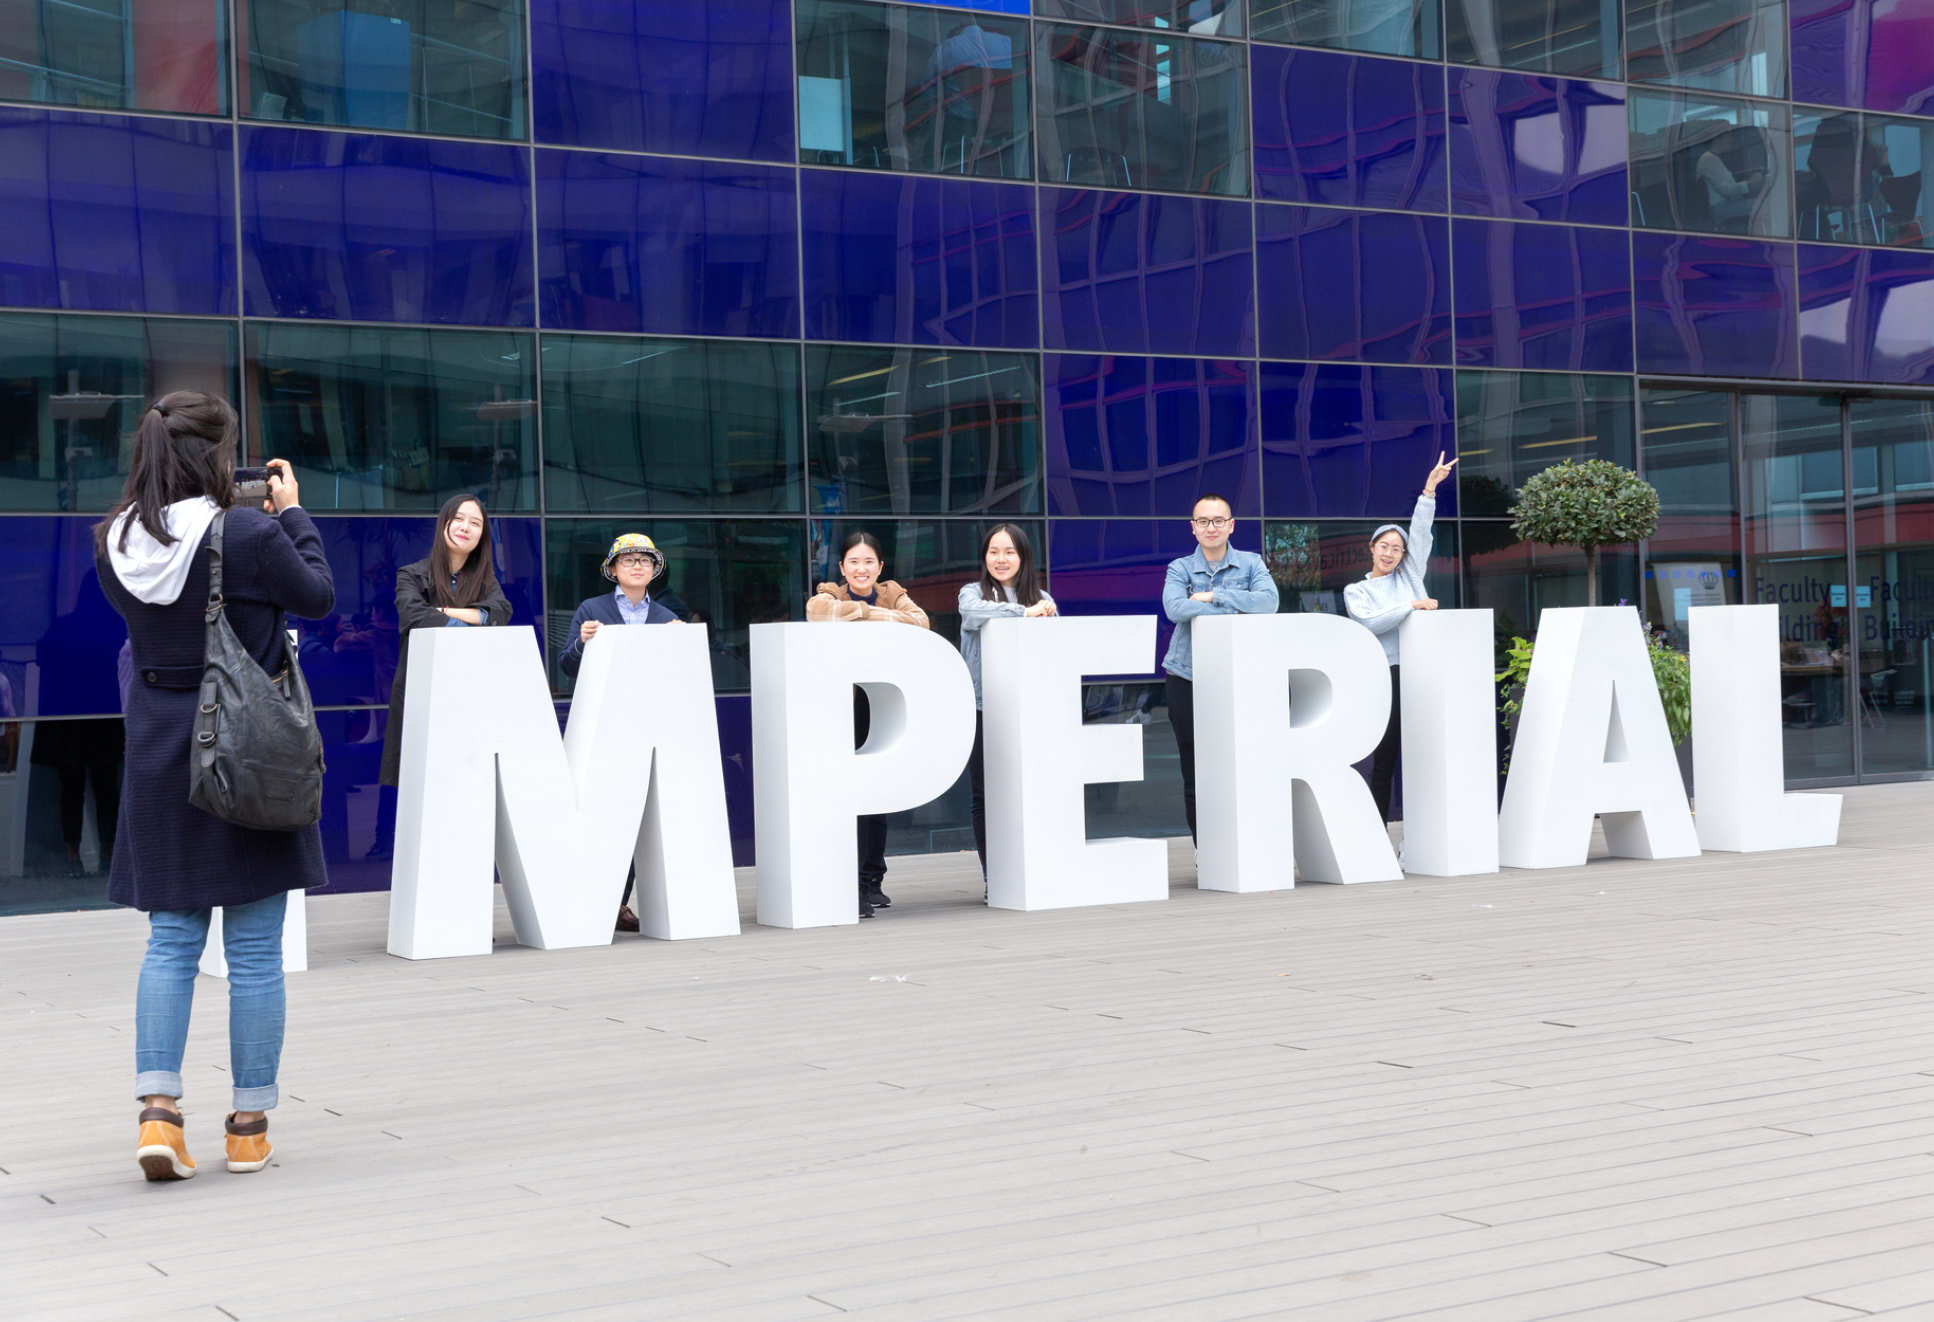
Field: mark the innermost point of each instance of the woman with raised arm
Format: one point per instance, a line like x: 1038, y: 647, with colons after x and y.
x: 862, y: 597
x: 1384, y: 598
x: 453, y: 587
x: 170, y: 858
x: 1008, y: 588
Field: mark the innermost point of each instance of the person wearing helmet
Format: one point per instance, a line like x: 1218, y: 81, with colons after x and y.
x: 633, y: 563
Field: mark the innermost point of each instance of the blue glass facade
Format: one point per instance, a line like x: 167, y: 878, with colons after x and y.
x: 749, y: 274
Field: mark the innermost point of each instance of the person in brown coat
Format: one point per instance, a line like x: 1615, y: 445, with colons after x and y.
x: 864, y: 597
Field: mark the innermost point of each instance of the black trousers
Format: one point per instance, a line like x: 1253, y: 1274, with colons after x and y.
x: 871, y: 826
x: 977, y: 791
x: 1383, y: 762
x: 1181, y: 719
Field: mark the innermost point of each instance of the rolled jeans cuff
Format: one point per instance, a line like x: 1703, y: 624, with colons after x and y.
x: 263, y: 1098
x: 159, y: 1083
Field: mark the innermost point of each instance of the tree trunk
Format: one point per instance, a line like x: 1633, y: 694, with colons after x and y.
x: 1591, y: 575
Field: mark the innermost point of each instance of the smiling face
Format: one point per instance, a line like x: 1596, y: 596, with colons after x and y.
x: 861, y: 568
x: 635, y: 572
x: 1211, y: 522
x: 1003, y: 560
x: 463, y: 531
x: 1386, y: 553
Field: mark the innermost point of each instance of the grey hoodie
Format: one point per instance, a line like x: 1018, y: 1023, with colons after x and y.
x: 1381, y: 604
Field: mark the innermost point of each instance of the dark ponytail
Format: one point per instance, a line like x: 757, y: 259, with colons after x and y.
x: 184, y: 447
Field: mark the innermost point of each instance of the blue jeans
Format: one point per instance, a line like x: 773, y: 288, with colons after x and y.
x: 252, y: 937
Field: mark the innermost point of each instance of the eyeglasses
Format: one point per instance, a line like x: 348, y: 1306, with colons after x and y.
x: 1212, y: 525
x: 633, y: 561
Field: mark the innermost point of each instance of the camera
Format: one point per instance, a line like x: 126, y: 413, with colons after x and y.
x: 251, y: 485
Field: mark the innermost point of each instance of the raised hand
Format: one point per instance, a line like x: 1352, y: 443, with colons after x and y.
x: 1438, y: 474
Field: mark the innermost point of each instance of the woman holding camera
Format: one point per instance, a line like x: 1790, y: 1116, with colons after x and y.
x: 454, y: 587
x: 171, y: 859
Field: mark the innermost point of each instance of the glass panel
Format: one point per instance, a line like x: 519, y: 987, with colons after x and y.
x: 111, y: 213
x: 1519, y: 581
x: 1354, y: 285
x: 1120, y: 110
x: 918, y: 261
x: 1868, y: 53
x: 155, y: 55
x: 1130, y: 273
x: 73, y: 389
x: 728, y: 574
x: 377, y: 419
x: 1151, y: 806
x: 1859, y: 178
x: 1710, y: 45
x: 1893, y: 582
x: 1382, y: 27
x: 59, y: 638
x: 1348, y: 131
x: 1346, y: 441
x: 1150, y: 435
x: 1714, y: 307
x: 1795, y: 528
x: 422, y: 65
x: 1527, y: 148
x: 1552, y: 297
x: 912, y: 431
x: 1693, y: 558
x: 60, y: 795
x: 1718, y: 167
x: 1864, y: 315
x: 1511, y: 425
x: 1545, y: 36
x: 1201, y: 18
x: 693, y: 80
x: 670, y: 426
x: 379, y: 228
x: 1115, y: 567
x: 891, y: 87
x: 638, y: 243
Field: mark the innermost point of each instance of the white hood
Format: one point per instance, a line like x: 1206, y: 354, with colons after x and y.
x: 150, y: 571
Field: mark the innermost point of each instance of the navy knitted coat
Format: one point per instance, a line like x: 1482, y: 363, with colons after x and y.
x: 168, y: 854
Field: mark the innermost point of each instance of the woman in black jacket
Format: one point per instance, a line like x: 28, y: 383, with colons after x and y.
x: 453, y: 587
x: 171, y: 859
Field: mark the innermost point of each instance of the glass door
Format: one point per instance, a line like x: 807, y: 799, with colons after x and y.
x: 1892, y: 593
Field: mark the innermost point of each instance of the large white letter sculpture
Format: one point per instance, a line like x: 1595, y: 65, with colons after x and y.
x: 1450, y: 802
x: 485, y: 779
x: 809, y: 784
x: 1738, y: 757
x: 1284, y: 704
x: 1038, y: 756
x: 1592, y: 740
x: 295, y: 940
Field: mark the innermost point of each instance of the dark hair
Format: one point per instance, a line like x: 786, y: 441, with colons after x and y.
x: 184, y: 446
x: 474, y: 577
x: 861, y: 538
x: 1027, y: 588
x: 1215, y: 496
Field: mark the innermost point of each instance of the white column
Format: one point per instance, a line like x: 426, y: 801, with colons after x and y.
x: 1450, y: 801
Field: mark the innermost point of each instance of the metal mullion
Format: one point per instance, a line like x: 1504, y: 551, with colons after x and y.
x: 1851, y: 686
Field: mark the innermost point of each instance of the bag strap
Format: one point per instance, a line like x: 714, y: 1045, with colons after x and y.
x: 215, y: 564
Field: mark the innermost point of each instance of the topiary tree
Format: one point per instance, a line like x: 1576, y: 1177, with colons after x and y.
x: 1586, y: 505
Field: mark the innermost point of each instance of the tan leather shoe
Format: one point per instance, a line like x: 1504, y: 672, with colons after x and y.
x: 162, y: 1148
x: 249, y: 1148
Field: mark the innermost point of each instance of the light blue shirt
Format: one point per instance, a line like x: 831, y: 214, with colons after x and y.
x: 975, y: 613
x: 633, y: 614
x: 1241, y: 584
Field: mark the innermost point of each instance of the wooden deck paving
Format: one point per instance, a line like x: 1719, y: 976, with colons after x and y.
x: 1629, y: 1092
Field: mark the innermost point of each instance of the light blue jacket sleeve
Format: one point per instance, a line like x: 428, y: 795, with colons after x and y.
x: 976, y: 610
x: 1356, y: 600
x: 1418, y: 549
x: 1176, y: 602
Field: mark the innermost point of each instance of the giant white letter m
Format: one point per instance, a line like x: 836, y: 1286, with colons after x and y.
x: 487, y: 782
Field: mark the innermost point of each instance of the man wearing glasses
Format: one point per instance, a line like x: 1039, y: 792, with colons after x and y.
x: 633, y: 563
x: 1216, y: 579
